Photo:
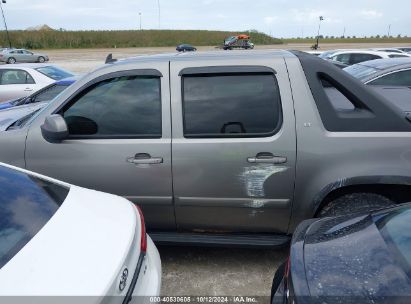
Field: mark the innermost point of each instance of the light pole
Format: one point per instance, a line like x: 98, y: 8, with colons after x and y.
x: 389, y: 31
x: 140, y: 20
x: 159, y: 14
x: 5, y: 23
x: 318, y: 34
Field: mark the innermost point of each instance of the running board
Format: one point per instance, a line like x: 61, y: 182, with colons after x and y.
x: 239, y: 240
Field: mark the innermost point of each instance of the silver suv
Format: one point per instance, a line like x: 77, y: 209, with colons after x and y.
x: 223, y: 147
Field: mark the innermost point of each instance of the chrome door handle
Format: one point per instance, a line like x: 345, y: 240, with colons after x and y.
x: 144, y: 159
x: 28, y: 89
x: 267, y: 158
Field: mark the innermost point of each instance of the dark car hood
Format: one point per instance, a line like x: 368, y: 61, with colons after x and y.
x: 349, y: 258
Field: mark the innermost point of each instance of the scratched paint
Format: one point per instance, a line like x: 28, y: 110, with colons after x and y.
x: 256, y: 203
x: 254, y: 178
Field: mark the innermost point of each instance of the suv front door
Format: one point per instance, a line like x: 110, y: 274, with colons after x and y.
x: 119, y: 141
x: 234, y: 145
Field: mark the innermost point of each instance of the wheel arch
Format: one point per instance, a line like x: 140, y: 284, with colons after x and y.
x: 396, y: 188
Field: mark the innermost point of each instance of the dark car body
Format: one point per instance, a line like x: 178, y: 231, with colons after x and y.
x: 390, y: 72
x: 352, y: 259
x: 42, y: 95
x: 185, y: 48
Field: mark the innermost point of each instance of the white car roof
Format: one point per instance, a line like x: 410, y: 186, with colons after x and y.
x: 385, y: 49
x: 25, y: 65
x: 362, y: 52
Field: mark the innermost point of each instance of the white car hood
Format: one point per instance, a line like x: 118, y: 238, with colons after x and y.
x: 79, y: 252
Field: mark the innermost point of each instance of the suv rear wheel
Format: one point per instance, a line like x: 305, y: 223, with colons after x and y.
x: 355, y: 203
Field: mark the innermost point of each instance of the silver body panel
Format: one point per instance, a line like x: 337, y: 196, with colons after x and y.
x: 206, y: 184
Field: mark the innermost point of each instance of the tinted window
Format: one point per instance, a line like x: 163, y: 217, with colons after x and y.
x: 402, y: 78
x: 231, y: 105
x: 122, y: 106
x: 337, y: 99
x: 357, y: 58
x: 343, y: 58
x: 395, y: 228
x: 26, y: 204
x: 15, y: 77
x: 398, y: 56
x: 50, y: 93
x: 54, y: 72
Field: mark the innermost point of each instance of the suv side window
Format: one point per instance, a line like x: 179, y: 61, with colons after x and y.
x: 231, y: 105
x: 401, y: 78
x: 120, y: 107
x: 15, y: 77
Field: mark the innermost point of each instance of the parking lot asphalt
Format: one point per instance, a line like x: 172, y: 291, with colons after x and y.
x: 207, y: 271
x: 84, y: 60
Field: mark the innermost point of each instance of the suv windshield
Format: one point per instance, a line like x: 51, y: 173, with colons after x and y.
x: 26, y: 204
x: 54, y: 72
x: 395, y: 228
x: 360, y: 71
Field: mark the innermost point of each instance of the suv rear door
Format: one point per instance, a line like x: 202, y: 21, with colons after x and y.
x: 119, y: 140
x: 234, y: 145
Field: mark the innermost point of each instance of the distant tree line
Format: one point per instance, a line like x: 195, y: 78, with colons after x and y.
x: 122, y: 39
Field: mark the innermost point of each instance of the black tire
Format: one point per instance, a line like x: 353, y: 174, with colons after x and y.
x: 41, y: 59
x: 11, y: 60
x: 355, y: 203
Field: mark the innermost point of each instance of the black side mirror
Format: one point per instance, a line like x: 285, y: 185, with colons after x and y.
x: 54, y: 129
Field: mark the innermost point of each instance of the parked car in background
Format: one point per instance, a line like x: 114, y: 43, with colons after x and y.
x: 387, y: 72
x: 362, y: 258
x: 12, y: 56
x: 4, y: 49
x: 84, y: 242
x: 388, y: 50
x: 185, y: 48
x: 24, y: 79
x: 388, y: 77
x: 357, y: 56
x: 43, y: 95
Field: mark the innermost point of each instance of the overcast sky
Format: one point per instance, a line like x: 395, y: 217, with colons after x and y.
x: 280, y: 18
